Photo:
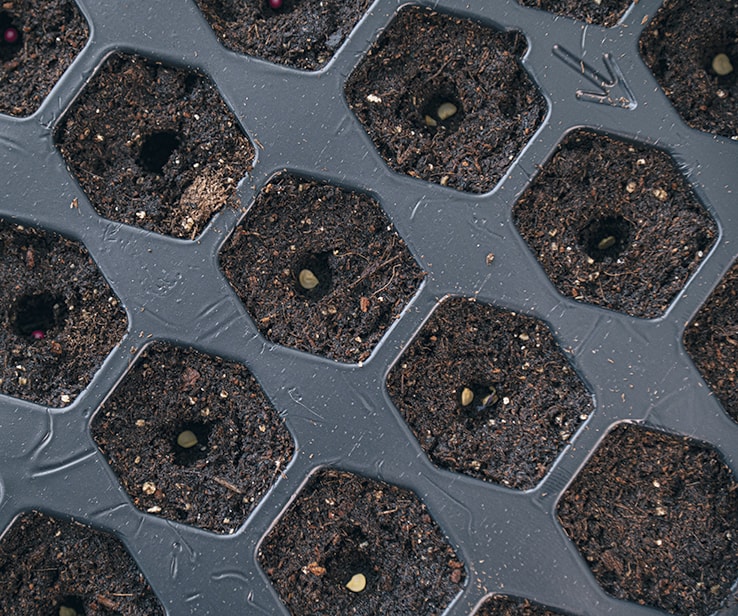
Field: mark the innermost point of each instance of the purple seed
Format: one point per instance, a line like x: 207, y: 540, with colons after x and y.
x: 37, y: 334
x: 10, y: 35
x: 275, y: 4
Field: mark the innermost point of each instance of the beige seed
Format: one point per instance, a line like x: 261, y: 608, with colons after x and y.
x: 606, y: 242
x: 429, y: 121
x: 722, y: 65
x: 307, y: 279
x: 467, y: 396
x: 660, y: 194
x: 187, y: 439
x: 446, y: 111
x: 490, y: 398
x: 357, y: 583
x: 67, y: 611
x: 149, y: 487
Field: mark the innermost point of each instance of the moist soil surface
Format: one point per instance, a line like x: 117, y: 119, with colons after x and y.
x: 614, y: 224
x: 59, y: 318
x: 656, y: 517
x: 605, y: 13
x: 506, y: 606
x: 679, y: 47
x: 341, y: 525
x: 192, y: 438
x: 50, y: 33
x: 488, y: 393
x: 711, y: 339
x: 46, y: 564
x: 365, y: 274
x: 154, y: 146
x: 302, y: 33
x: 426, y: 60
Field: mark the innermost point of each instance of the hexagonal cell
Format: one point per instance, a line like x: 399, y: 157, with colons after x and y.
x: 59, y: 568
x: 59, y: 318
x: 509, y: 606
x: 38, y: 41
x: 329, y: 259
x: 656, y: 518
x: 614, y: 224
x: 693, y: 53
x: 711, y: 339
x: 193, y: 438
x: 351, y: 545
x: 488, y: 393
x: 600, y: 12
x: 457, y: 119
x: 303, y: 34
x: 154, y: 146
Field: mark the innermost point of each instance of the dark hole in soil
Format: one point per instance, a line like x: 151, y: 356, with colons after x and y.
x: 351, y: 559
x: 186, y: 452
x: 476, y: 399
x: 72, y: 605
x: 38, y: 312
x: 11, y: 36
x: 312, y: 269
x: 605, y: 237
x: 156, y: 150
x: 442, y: 110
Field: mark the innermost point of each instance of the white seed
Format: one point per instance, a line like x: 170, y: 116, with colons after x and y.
x: 446, y: 110
x: 631, y: 186
x: 467, y: 396
x: 722, y: 65
x: 357, y: 583
x: 187, y: 439
x: 307, y: 279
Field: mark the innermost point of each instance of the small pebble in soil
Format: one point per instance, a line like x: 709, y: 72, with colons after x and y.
x: 357, y: 583
x: 446, y: 110
x: 722, y: 65
x: 38, y: 334
x: 307, y: 279
x: 10, y: 35
x: 186, y: 439
x: 606, y: 242
x: 467, y: 396
x: 275, y: 4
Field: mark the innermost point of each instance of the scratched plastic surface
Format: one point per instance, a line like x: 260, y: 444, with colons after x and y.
x: 339, y: 414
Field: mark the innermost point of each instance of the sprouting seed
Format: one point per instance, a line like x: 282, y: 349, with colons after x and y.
x: 10, y: 35
x: 722, y: 65
x: 307, y: 279
x: 429, y: 121
x: 357, y: 583
x: 187, y: 439
x: 606, y: 242
x: 467, y: 396
x: 490, y: 398
x: 446, y: 111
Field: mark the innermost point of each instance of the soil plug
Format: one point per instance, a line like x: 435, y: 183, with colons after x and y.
x: 10, y: 35
x: 606, y: 242
x: 307, y: 279
x: 187, y: 439
x: 357, y: 583
x: 446, y: 111
x: 722, y: 65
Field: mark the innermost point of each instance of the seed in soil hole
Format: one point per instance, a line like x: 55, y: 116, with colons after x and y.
x: 722, y: 65
x: 11, y: 35
x: 446, y: 110
x: 67, y: 611
x: 275, y: 4
x: 357, y: 583
x: 467, y: 397
x: 187, y: 439
x: 38, y: 334
x: 606, y: 242
x: 307, y: 279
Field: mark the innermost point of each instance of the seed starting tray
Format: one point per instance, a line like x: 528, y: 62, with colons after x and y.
x: 340, y: 415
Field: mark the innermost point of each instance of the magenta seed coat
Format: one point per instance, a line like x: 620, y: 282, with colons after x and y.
x: 10, y: 35
x: 37, y: 334
x: 275, y: 4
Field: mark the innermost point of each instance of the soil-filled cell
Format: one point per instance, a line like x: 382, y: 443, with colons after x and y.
x: 656, y: 518
x: 600, y: 12
x: 507, y: 606
x: 192, y: 438
x: 711, y: 339
x: 39, y: 39
x: 154, y: 146
x: 488, y: 393
x: 351, y: 545
x: 320, y: 268
x: 692, y: 50
x: 59, y: 318
x: 54, y: 568
x: 446, y: 99
x: 302, y: 34
x: 614, y: 224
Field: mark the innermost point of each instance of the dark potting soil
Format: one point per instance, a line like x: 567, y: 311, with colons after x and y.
x: 50, y: 33
x: 46, y: 565
x: 426, y: 61
x: 302, y: 33
x: 488, y: 393
x: 154, y: 146
x: 365, y: 274
x: 614, y: 224
x: 680, y: 46
x: 605, y: 13
x: 192, y: 438
x: 656, y: 517
x: 341, y: 525
x: 506, y: 606
x: 711, y: 339
x: 59, y: 318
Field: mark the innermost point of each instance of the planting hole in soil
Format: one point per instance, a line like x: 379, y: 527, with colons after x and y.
x: 320, y: 268
x: 601, y: 12
x: 457, y: 119
x: 508, y: 606
x: 614, y: 224
x: 692, y: 53
x: 59, y: 318
x: 711, y: 339
x: 154, y: 146
x: 351, y: 545
x: 54, y: 568
x: 39, y: 39
x: 192, y: 438
x: 517, y: 419
x: 303, y: 34
x: 656, y: 518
